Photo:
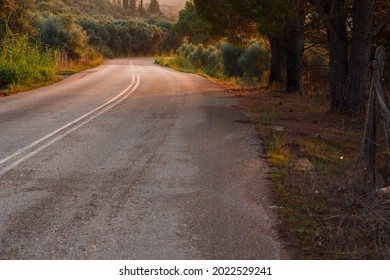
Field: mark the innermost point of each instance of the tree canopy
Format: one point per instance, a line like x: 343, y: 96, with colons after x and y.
x: 350, y: 28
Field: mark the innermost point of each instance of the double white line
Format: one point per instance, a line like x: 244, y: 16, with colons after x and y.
x: 21, y: 155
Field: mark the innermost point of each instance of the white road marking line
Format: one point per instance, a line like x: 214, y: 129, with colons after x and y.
x: 83, y: 119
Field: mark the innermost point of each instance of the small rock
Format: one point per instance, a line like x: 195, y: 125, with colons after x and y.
x: 303, y: 164
x: 278, y: 128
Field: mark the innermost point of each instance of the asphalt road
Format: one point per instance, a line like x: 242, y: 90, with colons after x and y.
x: 132, y: 161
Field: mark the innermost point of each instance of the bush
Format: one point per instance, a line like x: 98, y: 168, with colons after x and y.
x: 230, y: 55
x: 62, y: 33
x: 24, y: 63
x: 214, y: 58
x: 198, y: 56
x: 253, y: 61
x: 186, y: 49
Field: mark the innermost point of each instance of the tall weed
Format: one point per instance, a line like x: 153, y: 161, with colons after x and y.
x: 24, y: 63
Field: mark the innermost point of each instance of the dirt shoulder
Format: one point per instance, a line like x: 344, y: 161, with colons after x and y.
x: 325, y: 198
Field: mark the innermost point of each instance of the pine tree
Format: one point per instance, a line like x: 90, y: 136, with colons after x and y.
x: 133, y: 6
x: 126, y: 4
x: 141, y: 7
x: 154, y: 7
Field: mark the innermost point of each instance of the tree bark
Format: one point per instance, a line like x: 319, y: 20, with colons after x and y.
x: 358, y: 71
x: 278, y: 61
x: 335, y: 23
x: 294, y: 53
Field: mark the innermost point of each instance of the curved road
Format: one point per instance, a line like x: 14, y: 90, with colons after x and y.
x: 131, y: 161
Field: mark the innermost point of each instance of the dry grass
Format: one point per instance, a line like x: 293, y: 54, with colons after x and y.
x: 330, y: 209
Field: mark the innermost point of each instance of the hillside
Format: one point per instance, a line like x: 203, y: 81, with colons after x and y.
x: 170, y: 8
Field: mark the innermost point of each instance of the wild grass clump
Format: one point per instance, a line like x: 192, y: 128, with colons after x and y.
x: 24, y: 63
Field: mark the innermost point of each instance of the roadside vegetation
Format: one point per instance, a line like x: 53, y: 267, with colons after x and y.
x: 24, y: 63
x: 223, y: 61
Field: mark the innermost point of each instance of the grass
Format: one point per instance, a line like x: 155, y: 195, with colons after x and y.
x: 24, y: 64
x: 329, y: 211
x: 179, y: 63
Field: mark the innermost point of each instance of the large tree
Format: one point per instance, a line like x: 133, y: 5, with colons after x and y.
x: 190, y: 27
x: 350, y: 26
x: 349, y: 54
x: 133, y: 6
x: 141, y: 8
x: 280, y: 20
x: 359, y: 60
x: 125, y: 4
x: 154, y: 7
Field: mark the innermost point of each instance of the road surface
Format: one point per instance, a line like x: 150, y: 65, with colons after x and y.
x: 132, y: 161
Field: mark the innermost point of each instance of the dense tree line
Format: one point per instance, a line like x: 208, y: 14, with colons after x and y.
x: 349, y: 27
x: 63, y: 25
x: 124, y: 37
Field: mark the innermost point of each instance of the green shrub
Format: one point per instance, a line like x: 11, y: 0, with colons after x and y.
x: 198, y: 56
x: 186, y: 49
x: 214, y: 58
x: 184, y: 64
x: 253, y: 61
x: 230, y: 55
x: 62, y: 33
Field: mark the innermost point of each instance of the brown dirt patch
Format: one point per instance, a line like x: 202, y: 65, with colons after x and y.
x: 332, y: 211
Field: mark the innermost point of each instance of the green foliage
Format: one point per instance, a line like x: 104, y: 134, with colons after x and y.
x: 15, y: 15
x: 23, y: 63
x: 254, y: 61
x: 231, y: 19
x: 186, y: 49
x: 190, y: 27
x: 62, y: 33
x: 179, y: 62
x: 124, y: 37
x: 209, y: 59
x: 230, y: 56
x: 233, y: 61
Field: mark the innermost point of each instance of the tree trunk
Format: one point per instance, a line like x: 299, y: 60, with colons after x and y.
x: 357, y: 77
x: 294, y: 52
x: 278, y: 61
x: 338, y: 53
